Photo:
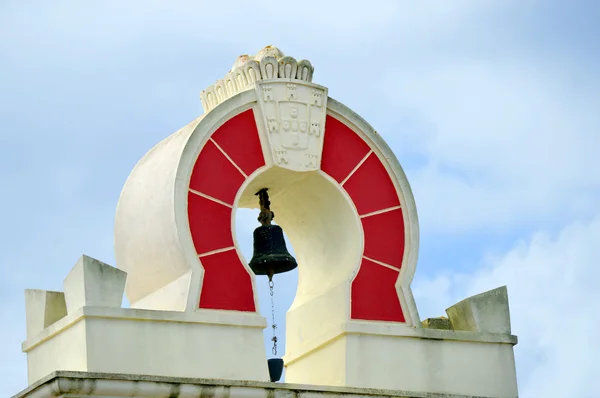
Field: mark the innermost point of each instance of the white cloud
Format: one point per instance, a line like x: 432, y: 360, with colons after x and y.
x: 554, y: 300
x: 506, y: 143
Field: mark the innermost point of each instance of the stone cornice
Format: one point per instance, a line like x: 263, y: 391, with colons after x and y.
x: 86, y: 384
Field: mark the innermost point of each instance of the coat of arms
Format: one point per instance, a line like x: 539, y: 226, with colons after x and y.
x: 294, y: 114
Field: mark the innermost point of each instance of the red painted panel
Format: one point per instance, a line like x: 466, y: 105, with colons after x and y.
x: 384, y: 237
x: 343, y: 149
x: 371, y: 187
x: 215, y: 176
x: 238, y: 137
x: 374, y: 295
x: 210, y: 224
x: 227, y: 284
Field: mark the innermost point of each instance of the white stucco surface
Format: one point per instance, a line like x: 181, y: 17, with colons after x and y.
x: 50, y: 351
x: 146, y: 239
x: 486, y: 312
x: 166, y: 343
x: 372, y: 355
x: 475, y: 360
x: 92, y: 283
x: 42, y: 309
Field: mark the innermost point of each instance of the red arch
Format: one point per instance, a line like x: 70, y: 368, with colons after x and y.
x: 350, y: 161
x: 232, y: 154
x: 214, y: 183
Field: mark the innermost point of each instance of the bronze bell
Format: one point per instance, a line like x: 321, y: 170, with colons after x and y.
x: 270, y: 252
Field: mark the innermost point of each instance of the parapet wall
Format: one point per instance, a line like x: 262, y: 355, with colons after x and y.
x: 105, y: 385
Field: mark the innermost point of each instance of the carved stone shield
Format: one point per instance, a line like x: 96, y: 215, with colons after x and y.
x: 294, y: 118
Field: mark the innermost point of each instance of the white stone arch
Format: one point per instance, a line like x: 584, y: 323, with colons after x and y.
x: 173, y: 223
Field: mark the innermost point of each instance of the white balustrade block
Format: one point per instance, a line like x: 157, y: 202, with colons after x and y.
x: 380, y: 355
x: 43, y: 308
x: 92, y: 283
x: 484, y: 313
x: 208, y: 343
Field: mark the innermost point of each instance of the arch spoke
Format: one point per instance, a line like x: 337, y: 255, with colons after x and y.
x: 211, y: 198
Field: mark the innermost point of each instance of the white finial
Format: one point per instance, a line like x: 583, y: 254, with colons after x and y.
x: 269, y: 63
x: 269, y: 51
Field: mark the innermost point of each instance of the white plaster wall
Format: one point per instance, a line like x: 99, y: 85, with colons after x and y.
x: 458, y: 367
x: 176, y: 349
x: 376, y: 355
x: 203, y: 343
x: 93, y: 283
x: 326, y: 366
x: 172, y: 297
x: 314, y: 322
x: 325, y: 230
x: 147, y: 244
x: 42, y: 309
x: 63, y: 351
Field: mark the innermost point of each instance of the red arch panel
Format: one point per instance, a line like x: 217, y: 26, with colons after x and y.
x: 214, y: 175
x: 238, y: 137
x: 371, y: 187
x: 343, y: 149
x: 384, y: 237
x: 210, y: 224
x: 227, y: 284
x: 374, y: 294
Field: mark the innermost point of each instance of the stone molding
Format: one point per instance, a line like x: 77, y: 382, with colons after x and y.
x: 398, y: 331
x: 224, y: 318
x: 108, y: 385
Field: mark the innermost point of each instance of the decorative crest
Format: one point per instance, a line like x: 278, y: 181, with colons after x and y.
x: 293, y: 115
x: 270, y: 63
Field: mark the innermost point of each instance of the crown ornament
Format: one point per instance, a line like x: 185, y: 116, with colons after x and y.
x: 268, y: 64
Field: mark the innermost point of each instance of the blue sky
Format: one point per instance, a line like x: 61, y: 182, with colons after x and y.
x: 490, y: 106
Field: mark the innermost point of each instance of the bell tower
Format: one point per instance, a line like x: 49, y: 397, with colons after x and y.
x: 272, y: 139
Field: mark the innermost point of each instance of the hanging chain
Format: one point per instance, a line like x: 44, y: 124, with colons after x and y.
x: 265, y: 217
x: 274, y: 325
